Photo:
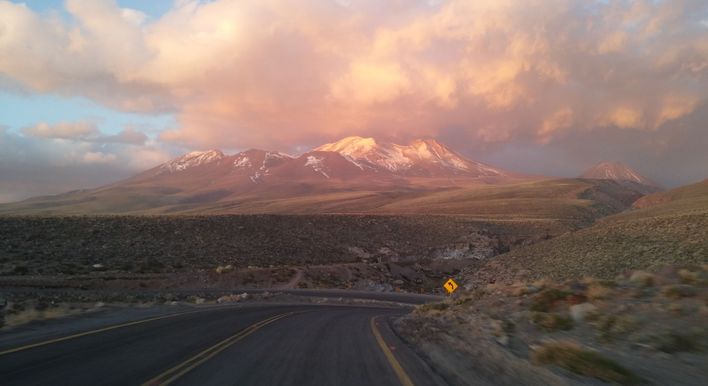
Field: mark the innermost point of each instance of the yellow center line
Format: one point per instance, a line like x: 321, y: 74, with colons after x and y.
x: 74, y: 336
x: 176, y: 372
x: 397, y: 368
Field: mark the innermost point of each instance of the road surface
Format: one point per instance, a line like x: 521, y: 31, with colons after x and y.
x: 226, y: 345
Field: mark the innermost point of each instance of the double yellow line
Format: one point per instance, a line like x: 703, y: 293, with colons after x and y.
x: 174, y: 373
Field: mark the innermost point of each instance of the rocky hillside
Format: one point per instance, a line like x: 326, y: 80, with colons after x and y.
x: 672, y: 228
x: 639, y: 328
x: 145, y: 244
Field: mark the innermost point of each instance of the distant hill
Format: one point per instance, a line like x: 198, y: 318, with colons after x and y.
x: 680, y: 200
x: 620, y: 172
x: 668, y: 228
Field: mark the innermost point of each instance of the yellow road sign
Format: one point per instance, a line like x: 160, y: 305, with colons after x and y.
x: 450, y: 286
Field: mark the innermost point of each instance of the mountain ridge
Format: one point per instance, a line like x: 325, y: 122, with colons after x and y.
x: 352, y: 175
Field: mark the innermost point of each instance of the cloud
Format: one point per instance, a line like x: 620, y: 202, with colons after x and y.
x: 127, y: 136
x: 83, y: 131
x: 64, y: 130
x: 284, y: 73
x: 31, y: 166
x: 97, y: 157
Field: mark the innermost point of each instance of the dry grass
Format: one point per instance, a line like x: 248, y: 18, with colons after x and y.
x: 678, y: 291
x: 573, y: 357
x: 673, y: 234
x: 597, y: 291
x: 31, y: 314
x: 546, y: 299
x: 673, y: 342
x: 552, y: 321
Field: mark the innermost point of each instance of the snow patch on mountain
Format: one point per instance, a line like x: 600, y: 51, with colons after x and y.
x: 192, y: 159
x: 270, y: 155
x: 420, y: 158
x: 316, y: 164
x: 242, y: 162
x: 401, y: 158
x: 354, y: 147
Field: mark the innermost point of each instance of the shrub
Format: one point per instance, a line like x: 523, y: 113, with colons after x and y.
x: 688, y: 277
x: 672, y: 342
x: 544, y: 300
x: 611, y: 326
x: 642, y: 278
x: 433, y: 306
x: 573, y: 357
x: 552, y: 321
x: 598, y: 292
x: 678, y: 291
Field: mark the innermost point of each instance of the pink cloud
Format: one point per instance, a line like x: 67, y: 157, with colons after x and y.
x: 279, y: 73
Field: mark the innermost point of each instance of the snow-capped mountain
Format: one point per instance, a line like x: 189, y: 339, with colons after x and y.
x: 351, y: 175
x: 192, y: 159
x: 422, y: 157
x: 352, y: 169
x: 349, y: 159
x: 616, y: 171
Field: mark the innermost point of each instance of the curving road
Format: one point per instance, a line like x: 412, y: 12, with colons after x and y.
x: 243, y: 345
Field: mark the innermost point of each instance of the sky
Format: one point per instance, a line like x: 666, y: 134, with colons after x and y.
x: 92, y: 91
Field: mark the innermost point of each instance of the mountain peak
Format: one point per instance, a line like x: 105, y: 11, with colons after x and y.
x: 192, y: 159
x: 425, y: 157
x: 350, y: 146
x: 617, y: 171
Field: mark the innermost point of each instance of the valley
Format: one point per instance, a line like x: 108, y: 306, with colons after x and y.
x: 576, y: 267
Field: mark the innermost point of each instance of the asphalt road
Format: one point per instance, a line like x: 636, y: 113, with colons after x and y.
x: 248, y: 345
x: 398, y: 297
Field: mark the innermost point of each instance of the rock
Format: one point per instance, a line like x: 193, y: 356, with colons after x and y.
x: 580, y: 312
x: 224, y: 269
x: 642, y: 278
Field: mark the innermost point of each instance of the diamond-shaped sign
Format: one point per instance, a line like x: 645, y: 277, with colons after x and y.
x: 450, y: 286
